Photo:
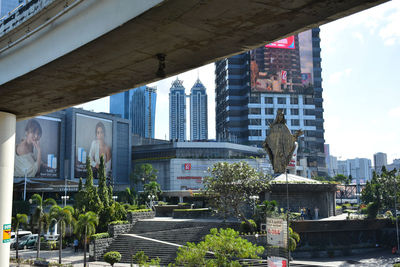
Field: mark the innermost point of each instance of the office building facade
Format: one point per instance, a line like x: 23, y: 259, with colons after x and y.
x: 177, y: 111
x: 198, y: 112
x: 253, y: 86
x: 380, y: 160
x: 139, y: 106
x: 360, y: 169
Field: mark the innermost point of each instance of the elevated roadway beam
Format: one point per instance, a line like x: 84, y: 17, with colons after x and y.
x: 102, y: 47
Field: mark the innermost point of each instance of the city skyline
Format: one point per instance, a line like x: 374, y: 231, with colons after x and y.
x: 359, y: 94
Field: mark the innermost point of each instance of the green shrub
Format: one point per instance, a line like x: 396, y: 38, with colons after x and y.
x: 118, y: 222
x: 140, y: 210
x: 162, y: 203
x: 130, y: 207
x: 140, y: 258
x: 245, y: 228
x: 364, y: 210
x: 142, y: 207
x: 99, y: 236
x: 112, y: 257
x: 183, y: 204
x: 372, y: 210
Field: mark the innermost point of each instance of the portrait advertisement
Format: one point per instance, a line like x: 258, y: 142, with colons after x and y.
x: 37, y: 148
x: 284, y: 66
x: 93, y: 138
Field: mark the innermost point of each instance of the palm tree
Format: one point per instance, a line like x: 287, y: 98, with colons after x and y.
x: 40, y: 216
x: 86, y: 226
x: 20, y: 219
x: 63, y: 217
x: 294, y: 239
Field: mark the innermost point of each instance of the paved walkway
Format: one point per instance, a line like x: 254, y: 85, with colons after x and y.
x: 380, y: 257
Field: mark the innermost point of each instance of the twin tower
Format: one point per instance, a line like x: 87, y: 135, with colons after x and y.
x: 198, y: 111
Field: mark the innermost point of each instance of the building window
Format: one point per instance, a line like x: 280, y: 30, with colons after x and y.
x: 269, y: 111
x: 309, y: 123
x: 255, y: 98
x: 308, y: 101
x: 254, y: 111
x: 294, y: 111
x: 309, y: 112
x: 269, y: 100
x: 295, y: 123
x: 255, y: 121
x: 281, y: 100
x: 255, y: 133
x: 294, y: 100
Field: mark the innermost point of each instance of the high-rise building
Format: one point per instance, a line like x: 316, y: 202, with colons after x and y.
x: 253, y: 86
x: 198, y: 112
x: 177, y: 111
x: 380, y: 160
x: 358, y: 168
x: 8, y: 5
x: 139, y: 106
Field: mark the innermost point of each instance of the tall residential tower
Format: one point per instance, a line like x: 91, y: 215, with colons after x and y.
x: 177, y: 111
x: 198, y: 112
x: 253, y: 86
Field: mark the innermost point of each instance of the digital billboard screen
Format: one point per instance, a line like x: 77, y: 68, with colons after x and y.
x: 285, y: 66
x: 286, y: 43
x: 37, y: 150
x: 93, y: 138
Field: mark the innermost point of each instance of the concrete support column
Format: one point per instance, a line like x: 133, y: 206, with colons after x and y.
x: 7, y: 152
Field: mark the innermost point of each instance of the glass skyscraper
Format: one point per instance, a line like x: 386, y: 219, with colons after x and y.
x: 284, y: 75
x: 198, y: 112
x: 139, y: 106
x: 177, y: 111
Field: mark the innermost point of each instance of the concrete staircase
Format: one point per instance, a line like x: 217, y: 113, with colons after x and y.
x: 162, y: 238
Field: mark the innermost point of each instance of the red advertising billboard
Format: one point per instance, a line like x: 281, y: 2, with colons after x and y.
x: 286, y: 43
x: 288, y: 69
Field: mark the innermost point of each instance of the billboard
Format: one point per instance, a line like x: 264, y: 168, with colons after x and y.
x: 37, y: 149
x: 93, y: 138
x: 286, y: 43
x: 285, y: 66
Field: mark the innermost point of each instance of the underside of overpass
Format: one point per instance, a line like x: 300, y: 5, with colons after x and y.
x: 190, y: 33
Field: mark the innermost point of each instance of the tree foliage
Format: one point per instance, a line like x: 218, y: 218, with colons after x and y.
x: 112, y: 257
x: 230, y: 186
x: 143, y: 174
x: 40, y: 217
x: 225, y: 244
x: 103, y: 189
x: 86, y: 226
x: 64, y: 218
x: 381, y: 190
x: 17, y: 221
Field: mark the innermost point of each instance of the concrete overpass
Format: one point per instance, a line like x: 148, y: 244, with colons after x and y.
x: 55, y: 54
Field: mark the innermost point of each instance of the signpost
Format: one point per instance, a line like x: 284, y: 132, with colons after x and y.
x: 6, y: 233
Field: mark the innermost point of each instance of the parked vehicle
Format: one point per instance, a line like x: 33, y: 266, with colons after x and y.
x: 20, y: 235
x: 28, y: 241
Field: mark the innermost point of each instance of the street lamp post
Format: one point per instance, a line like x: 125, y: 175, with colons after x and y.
x: 115, y: 198
x: 151, y: 198
x: 65, y: 198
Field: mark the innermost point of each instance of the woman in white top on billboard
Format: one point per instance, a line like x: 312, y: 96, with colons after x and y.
x: 99, y: 147
x: 28, y: 152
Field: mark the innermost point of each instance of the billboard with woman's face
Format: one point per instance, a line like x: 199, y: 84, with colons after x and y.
x: 93, y: 138
x: 37, y: 150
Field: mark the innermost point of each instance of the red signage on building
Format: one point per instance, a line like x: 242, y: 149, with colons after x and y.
x: 188, y: 166
x: 286, y: 43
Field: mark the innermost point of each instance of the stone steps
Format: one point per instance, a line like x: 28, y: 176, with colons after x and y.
x: 162, y: 238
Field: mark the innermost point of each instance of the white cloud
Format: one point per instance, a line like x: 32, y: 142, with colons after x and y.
x: 359, y: 37
x: 394, y: 112
x: 337, y: 76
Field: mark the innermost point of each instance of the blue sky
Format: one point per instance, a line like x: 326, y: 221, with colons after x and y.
x: 361, y: 82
